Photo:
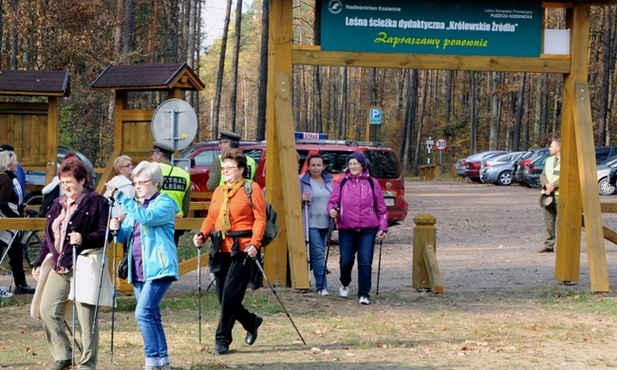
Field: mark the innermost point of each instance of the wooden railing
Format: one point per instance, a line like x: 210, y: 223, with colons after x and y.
x: 198, y: 204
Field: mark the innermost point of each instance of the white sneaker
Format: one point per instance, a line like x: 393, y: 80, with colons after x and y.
x: 5, y: 293
x: 323, y: 292
x: 343, y: 291
x: 364, y: 300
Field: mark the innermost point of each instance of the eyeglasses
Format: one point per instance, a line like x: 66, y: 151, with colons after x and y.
x: 127, y: 165
x: 141, y: 183
x: 227, y: 167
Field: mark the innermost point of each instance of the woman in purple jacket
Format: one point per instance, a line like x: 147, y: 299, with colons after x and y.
x: 358, y: 206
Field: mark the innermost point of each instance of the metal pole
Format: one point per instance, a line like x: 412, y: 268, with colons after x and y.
x: 277, y: 297
x: 199, y: 289
x: 306, y: 239
x: 113, y: 299
x: 9, y: 246
x: 325, y: 267
x: 379, y: 267
x: 74, y: 303
x: 103, y: 264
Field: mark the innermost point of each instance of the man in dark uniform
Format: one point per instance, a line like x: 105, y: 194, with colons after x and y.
x: 228, y: 141
x: 176, y: 183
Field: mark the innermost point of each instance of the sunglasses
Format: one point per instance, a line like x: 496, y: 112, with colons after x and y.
x: 141, y: 183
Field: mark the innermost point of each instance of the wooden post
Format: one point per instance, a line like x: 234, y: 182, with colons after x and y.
x: 423, y: 233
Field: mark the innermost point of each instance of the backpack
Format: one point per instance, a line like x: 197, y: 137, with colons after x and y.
x: 272, y: 228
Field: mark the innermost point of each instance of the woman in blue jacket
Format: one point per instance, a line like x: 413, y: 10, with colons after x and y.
x: 148, y: 232
x: 315, y: 189
x: 358, y: 206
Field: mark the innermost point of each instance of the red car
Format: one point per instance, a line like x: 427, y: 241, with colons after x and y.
x: 384, y: 165
x: 473, y: 165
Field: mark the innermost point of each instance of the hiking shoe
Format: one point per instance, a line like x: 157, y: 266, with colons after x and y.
x: 23, y: 289
x: 220, y: 349
x: 323, y: 292
x: 251, y: 336
x: 343, y: 291
x: 363, y: 300
x: 5, y: 293
x: 62, y: 364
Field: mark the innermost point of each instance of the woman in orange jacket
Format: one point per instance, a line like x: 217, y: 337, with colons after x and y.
x: 236, y: 226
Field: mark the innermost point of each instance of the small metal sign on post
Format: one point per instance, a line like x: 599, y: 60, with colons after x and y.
x: 441, y: 144
x: 429, y: 146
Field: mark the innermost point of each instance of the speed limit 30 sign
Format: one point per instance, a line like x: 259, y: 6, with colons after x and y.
x: 441, y: 144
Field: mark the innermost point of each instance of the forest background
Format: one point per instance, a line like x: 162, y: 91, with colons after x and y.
x: 474, y: 111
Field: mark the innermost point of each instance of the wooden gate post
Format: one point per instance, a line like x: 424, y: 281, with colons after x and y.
x: 423, y: 233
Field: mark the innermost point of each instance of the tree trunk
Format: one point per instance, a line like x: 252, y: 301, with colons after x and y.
x: 221, y: 71
x: 520, y: 97
x: 410, y: 117
x: 129, y: 27
x: 473, y: 112
x: 495, y: 112
x: 262, y: 95
x: 233, y: 97
x: 603, y: 115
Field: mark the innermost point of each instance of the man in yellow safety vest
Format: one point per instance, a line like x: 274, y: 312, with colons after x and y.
x: 550, y: 187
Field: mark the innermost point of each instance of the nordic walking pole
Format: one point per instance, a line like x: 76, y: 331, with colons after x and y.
x: 70, y: 332
x: 379, y: 267
x: 103, y: 263
x: 9, y: 246
x: 199, y: 289
x: 113, y: 298
x: 277, y: 297
x: 325, y: 267
x: 74, y: 302
x: 306, y: 239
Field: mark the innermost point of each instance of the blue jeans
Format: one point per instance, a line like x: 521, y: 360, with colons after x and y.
x: 148, y: 316
x: 318, y: 238
x: 363, y: 243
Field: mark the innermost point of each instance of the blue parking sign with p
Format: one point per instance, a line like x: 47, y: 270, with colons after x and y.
x: 375, y: 116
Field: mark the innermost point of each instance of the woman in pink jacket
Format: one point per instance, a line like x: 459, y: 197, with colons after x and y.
x: 359, y: 209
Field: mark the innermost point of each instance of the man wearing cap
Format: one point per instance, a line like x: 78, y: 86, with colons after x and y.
x: 228, y: 141
x: 176, y: 181
x: 550, y: 186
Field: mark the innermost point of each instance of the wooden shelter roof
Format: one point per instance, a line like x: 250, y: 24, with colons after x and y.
x: 148, y: 77
x: 35, y: 83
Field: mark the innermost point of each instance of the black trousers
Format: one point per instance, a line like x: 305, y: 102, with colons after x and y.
x: 231, y: 282
x: 16, y: 256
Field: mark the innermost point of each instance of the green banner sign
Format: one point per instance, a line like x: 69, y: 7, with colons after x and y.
x: 496, y: 28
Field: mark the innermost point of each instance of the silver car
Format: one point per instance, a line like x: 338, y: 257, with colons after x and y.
x: 499, y: 170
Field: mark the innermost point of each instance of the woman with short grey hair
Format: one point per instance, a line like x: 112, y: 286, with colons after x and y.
x: 9, y: 207
x: 148, y: 232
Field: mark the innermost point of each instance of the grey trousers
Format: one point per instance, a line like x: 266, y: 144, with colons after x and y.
x: 550, y: 219
x: 53, y: 303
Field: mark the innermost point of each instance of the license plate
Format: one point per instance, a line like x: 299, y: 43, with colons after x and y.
x: 389, y: 202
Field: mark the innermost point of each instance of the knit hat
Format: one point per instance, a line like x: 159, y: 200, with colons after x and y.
x: 360, y: 158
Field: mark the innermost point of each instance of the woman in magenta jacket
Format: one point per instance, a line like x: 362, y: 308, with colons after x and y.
x: 359, y: 209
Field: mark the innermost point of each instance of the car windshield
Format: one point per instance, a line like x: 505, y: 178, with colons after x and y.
x: 383, y: 164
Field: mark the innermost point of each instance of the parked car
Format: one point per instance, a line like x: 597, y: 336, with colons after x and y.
x: 607, y: 176
x: 201, y: 156
x: 461, y: 163
x: 518, y: 167
x: 473, y: 163
x: 531, y: 176
x: 604, y: 153
x: 384, y: 165
x: 498, y: 170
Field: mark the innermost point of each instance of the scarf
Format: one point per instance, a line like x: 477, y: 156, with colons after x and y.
x: 228, y: 192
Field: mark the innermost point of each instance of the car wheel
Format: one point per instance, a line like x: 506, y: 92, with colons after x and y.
x: 605, y: 187
x: 504, y: 178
